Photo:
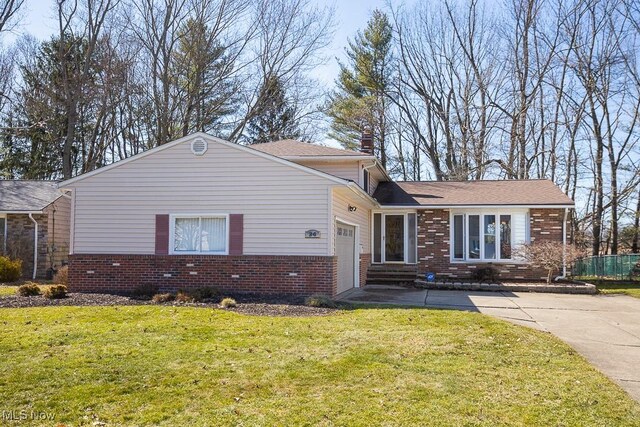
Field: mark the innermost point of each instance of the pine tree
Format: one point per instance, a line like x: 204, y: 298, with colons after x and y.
x: 202, y: 68
x: 275, y: 119
x: 34, y: 149
x: 359, y: 102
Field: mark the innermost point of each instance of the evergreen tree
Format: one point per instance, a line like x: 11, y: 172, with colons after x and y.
x: 202, y: 70
x: 359, y: 102
x: 275, y: 119
x: 34, y: 134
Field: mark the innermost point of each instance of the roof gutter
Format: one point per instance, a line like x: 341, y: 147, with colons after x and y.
x: 35, y: 246
x: 382, y: 169
x: 475, y: 206
x: 21, y: 212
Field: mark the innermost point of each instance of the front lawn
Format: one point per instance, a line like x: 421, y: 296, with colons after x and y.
x: 8, y: 290
x: 150, y: 365
x: 631, y: 288
x: 12, y: 289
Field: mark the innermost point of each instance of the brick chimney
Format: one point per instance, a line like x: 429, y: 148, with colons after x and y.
x: 366, y: 141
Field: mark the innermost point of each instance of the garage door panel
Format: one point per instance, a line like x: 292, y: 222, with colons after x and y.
x: 345, y: 251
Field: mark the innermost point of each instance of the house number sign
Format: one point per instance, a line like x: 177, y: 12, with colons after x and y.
x: 312, y: 234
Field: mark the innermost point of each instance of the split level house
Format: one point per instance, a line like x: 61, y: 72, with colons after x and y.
x: 289, y: 217
x: 34, y: 225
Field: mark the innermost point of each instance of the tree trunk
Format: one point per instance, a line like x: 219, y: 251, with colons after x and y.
x: 636, y: 232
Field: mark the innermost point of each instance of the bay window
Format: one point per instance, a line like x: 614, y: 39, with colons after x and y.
x: 195, y: 234
x: 487, y: 236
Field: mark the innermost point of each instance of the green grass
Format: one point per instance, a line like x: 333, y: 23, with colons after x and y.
x: 627, y: 288
x: 7, y: 290
x: 173, y: 366
x: 12, y: 289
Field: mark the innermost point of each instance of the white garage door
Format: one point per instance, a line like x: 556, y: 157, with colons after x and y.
x: 345, y: 249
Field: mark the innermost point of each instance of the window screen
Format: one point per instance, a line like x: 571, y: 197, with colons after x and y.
x: 377, y: 237
x: 458, y: 236
x: 505, y: 236
x: 474, y: 237
x: 411, y: 238
x: 489, y: 237
x: 200, y: 234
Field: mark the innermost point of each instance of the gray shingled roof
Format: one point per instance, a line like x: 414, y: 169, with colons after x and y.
x: 471, y: 193
x: 24, y: 195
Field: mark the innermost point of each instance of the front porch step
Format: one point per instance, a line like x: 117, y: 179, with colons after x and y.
x: 391, y: 280
x: 393, y: 267
x: 556, y: 288
x: 391, y: 274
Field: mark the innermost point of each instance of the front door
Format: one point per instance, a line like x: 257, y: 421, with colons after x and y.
x: 394, y: 238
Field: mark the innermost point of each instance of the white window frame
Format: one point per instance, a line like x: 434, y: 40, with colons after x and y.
x: 465, y: 241
x: 172, y: 228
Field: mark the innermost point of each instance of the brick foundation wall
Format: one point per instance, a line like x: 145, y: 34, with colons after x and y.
x: 293, y: 275
x: 434, y: 250
x: 20, y: 240
x: 365, y: 262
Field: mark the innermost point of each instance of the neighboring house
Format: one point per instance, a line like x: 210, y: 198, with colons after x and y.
x: 34, y: 225
x: 291, y: 217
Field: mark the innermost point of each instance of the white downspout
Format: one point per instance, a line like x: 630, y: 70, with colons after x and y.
x: 35, y: 246
x: 564, y: 246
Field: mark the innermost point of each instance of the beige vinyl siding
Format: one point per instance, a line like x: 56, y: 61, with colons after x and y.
x: 58, y: 230
x: 342, y: 198
x: 346, y: 169
x: 115, y: 210
x: 373, y: 183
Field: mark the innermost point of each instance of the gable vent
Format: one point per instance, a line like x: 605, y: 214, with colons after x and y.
x: 198, y: 146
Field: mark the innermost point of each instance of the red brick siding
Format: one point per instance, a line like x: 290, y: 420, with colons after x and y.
x: 257, y: 273
x: 546, y: 224
x: 434, y: 252
x: 365, y: 262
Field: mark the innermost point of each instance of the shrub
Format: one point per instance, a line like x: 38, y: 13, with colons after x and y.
x: 183, y: 296
x: 10, y: 270
x: 228, y: 303
x: 320, y: 300
x: 55, y: 292
x: 205, y: 293
x: 162, y: 298
x: 144, y: 291
x: 489, y: 273
x: 29, y: 289
x: 62, y: 276
x: 549, y: 256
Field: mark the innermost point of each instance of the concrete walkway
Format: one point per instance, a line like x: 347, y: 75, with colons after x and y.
x: 605, y: 329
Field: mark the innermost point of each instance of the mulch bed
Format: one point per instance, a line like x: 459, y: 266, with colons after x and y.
x: 247, y: 304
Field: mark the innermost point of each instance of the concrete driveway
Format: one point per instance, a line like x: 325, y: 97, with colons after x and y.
x: 605, y: 329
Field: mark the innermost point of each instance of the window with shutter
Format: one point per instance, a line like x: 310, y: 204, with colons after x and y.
x: 200, y: 234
